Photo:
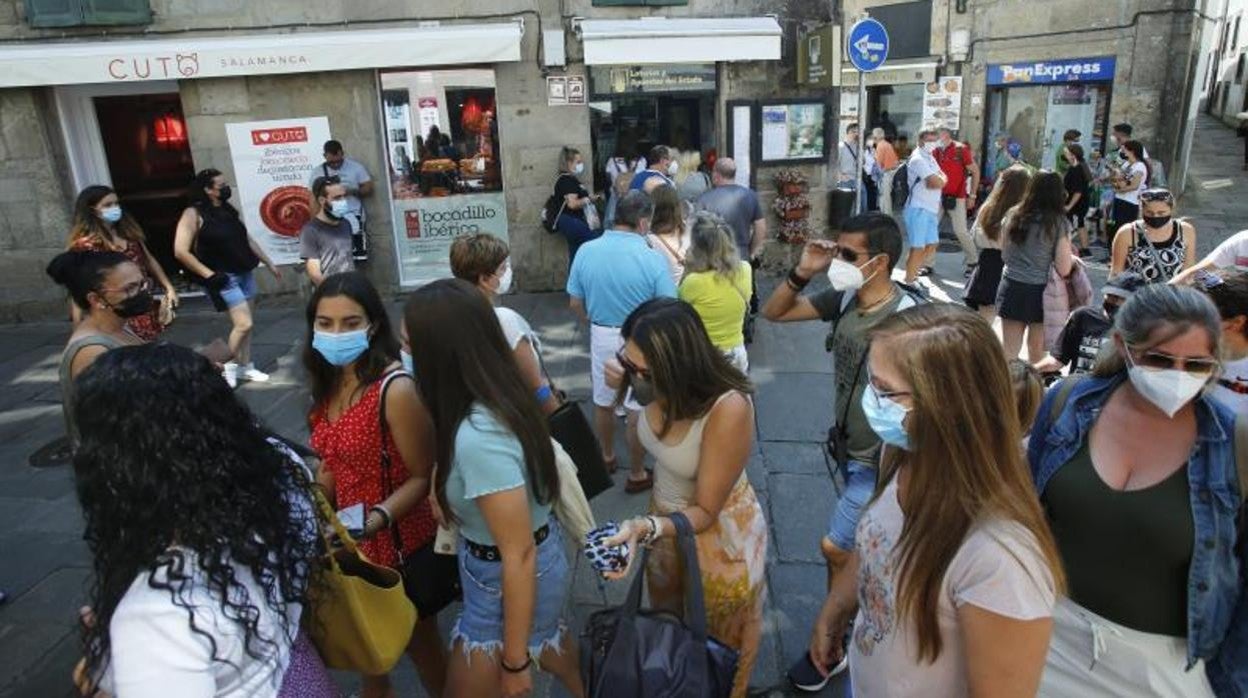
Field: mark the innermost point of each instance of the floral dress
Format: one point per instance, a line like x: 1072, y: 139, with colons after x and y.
x: 146, y: 326
x: 350, y: 447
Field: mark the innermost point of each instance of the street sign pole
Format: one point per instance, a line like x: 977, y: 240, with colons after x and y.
x: 867, y: 46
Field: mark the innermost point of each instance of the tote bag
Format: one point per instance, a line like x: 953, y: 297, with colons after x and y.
x: 361, y: 619
x: 630, y: 653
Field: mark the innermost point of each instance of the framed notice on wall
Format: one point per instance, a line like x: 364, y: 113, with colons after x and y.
x: 793, y: 131
x: 741, y: 142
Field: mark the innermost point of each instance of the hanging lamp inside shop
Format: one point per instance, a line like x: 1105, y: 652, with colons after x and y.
x: 170, y: 131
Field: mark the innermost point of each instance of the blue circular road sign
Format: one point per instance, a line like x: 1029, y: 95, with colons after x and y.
x: 868, y: 45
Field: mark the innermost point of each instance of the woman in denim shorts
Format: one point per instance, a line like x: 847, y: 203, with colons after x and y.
x: 496, y: 478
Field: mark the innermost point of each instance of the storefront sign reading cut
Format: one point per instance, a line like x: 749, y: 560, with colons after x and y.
x: 272, y: 160
x: 431, y: 224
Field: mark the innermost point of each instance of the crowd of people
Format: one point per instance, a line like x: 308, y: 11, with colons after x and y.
x: 988, y: 538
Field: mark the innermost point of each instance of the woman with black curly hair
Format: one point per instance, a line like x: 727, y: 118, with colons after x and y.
x: 202, y: 532
x: 351, y: 356
x: 496, y: 478
x: 109, y: 290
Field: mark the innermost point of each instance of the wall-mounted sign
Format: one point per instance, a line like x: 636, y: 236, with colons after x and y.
x: 272, y: 160
x: 942, y: 103
x: 819, y: 57
x: 891, y: 75
x: 1097, y: 69
x: 646, y: 79
x: 564, y: 90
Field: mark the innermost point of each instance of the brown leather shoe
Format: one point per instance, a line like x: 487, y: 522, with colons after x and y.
x: 634, y: 486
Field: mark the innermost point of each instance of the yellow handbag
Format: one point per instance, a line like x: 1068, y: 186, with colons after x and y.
x: 361, y: 620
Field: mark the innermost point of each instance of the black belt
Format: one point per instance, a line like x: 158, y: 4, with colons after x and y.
x: 490, y: 553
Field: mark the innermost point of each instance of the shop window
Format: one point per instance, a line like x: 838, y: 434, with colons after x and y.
x: 77, y: 13
x: 909, y: 26
x: 442, y: 156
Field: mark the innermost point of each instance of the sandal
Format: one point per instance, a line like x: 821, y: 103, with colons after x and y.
x: 610, y: 463
x: 634, y: 486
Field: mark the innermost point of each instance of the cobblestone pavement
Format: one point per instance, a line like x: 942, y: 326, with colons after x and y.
x: 45, y: 563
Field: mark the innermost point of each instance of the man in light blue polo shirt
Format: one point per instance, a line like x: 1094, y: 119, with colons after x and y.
x: 610, y: 277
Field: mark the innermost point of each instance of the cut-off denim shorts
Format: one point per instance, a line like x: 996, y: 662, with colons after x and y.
x: 480, y: 622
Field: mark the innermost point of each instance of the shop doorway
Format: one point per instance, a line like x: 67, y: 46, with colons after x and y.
x: 898, y: 109
x: 134, y: 139
x: 630, y: 126
x: 1037, y: 117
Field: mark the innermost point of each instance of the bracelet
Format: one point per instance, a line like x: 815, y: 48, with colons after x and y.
x: 797, y: 282
x: 387, y: 520
x: 528, y: 661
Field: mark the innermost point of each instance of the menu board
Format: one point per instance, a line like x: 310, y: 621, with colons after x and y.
x: 793, y: 131
x: 942, y: 103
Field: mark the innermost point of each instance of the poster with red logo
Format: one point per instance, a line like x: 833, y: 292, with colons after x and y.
x: 273, y: 161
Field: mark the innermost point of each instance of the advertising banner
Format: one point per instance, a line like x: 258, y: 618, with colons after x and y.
x: 425, y: 228
x: 272, y: 160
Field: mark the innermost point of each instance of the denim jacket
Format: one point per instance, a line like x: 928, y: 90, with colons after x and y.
x: 1217, y: 596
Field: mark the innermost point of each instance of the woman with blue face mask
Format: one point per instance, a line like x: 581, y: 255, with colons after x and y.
x: 952, y: 581
x: 354, y: 374
x: 1137, y: 468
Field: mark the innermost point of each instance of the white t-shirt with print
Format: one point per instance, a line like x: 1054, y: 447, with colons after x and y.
x: 1232, y: 252
x: 999, y: 568
x: 1133, y: 196
x: 1231, y: 388
x: 919, y: 167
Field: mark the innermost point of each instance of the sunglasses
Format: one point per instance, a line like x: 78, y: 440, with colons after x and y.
x: 851, y: 256
x: 629, y: 366
x: 1161, y: 361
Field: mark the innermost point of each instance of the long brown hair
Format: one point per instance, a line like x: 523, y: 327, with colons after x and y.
x: 462, y: 359
x: 965, y: 465
x: 688, y: 371
x: 669, y: 212
x: 1043, y: 209
x: 87, y: 223
x: 1006, y: 193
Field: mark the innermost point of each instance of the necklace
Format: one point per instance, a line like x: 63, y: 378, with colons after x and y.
x: 864, y: 309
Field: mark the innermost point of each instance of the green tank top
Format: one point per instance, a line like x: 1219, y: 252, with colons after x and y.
x: 1126, y: 554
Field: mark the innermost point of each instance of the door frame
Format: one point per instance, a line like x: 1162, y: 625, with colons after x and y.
x: 80, y: 126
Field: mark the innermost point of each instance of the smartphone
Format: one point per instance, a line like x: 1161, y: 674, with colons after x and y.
x: 217, y: 351
x: 352, y: 519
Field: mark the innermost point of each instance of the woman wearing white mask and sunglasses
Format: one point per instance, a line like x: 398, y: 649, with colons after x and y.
x: 1146, y: 525
x: 382, y: 465
x: 484, y: 261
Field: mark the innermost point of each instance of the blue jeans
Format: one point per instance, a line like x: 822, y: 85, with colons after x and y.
x: 859, y: 486
x: 576, y: 231
x: 239, y: 289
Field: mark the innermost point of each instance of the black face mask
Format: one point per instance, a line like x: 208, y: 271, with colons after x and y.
x: 643, y: 389
x: 224, y: 192
x: 1156, y: 221
x: 133, y: 306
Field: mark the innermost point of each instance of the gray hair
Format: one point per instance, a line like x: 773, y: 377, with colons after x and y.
x: 634, y: 207
x: 877, y: 133
x: 711, y: 246
x: 1158, y: 308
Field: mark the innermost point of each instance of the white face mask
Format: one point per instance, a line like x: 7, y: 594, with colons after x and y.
x: 504, y: 282
x: 1169, y: 389
x: 672, y: 168
x: 845, y: 276
x: 578, y: 168
x: 931, y: 146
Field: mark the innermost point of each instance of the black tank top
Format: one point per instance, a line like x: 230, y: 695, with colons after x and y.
x: 222, y: 241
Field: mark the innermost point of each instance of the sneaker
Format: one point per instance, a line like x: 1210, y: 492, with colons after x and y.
x: 229, y: 371
x: 926, y: 271
x: 805, y: 677
x: 253, y: 375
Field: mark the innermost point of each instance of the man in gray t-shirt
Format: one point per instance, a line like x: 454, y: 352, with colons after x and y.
x: 359, y: 185
x: 738, y: 206
x: 325, y: 241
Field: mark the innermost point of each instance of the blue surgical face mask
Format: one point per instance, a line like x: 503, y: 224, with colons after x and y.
x: 408, y: 364
x: 340, y: 349
x: 887, y: 417
x: 338, y: 208
x: 111, y: 214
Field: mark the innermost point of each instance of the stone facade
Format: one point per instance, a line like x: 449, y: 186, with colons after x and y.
x: 36, y: 189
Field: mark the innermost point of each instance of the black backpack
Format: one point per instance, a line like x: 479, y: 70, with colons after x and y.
x: 554, y: 207
x: 901, y: 187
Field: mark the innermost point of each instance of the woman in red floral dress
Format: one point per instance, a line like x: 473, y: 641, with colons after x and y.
x: 350, y: 355
x: 100, y: 225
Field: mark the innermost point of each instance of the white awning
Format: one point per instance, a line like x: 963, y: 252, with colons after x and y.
x: 191, y: 57
x: 680, y: 40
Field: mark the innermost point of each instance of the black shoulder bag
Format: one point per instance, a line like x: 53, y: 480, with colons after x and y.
x: 572, y: 430
x: 430, y: 580
x: 630, y: 653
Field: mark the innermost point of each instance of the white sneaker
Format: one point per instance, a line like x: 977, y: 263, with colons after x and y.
x: 229, y: 371
x: 253, y: 375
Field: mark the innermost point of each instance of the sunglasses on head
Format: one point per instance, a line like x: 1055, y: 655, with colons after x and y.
x: 1161, y: 361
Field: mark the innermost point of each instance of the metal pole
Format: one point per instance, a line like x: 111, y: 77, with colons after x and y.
x: 862, y: 141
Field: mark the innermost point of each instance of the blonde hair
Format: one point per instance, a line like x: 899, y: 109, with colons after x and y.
x: 964, y: 463
x: 687, y: 163
x: 711, y: 247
